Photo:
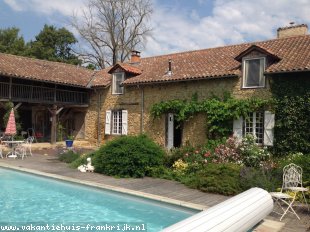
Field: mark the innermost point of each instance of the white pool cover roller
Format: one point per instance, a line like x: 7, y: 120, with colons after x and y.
x: 239, y: 213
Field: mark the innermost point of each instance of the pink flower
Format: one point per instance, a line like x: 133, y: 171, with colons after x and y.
x: 207, y: 154
x: 196, y: 152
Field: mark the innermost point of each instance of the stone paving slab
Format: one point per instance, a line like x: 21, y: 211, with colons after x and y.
x: 164, y: 190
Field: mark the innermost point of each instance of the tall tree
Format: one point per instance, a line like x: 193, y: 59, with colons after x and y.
x: 112, y: 29
x: 54, y: 44
x: 11, y: 42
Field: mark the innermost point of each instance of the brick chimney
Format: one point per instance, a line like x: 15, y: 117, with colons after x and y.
x: 292, y: 30
x: 135, y: 57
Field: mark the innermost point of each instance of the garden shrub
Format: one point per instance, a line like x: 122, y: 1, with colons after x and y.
x: 128, y: 156
x: 227, y: 152
x: 252, y: 155
x: 68, y: 157
x: 178, y: 153
x: 162, y: 172
x: 216, y: 178
x: 265, y: 178
x: 180, y: 166
x: 192, y: 155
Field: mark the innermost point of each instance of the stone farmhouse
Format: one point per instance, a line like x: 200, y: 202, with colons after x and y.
x: 100, y: 105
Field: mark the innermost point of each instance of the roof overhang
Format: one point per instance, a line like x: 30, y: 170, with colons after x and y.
x: 177, y: 80
x: 126, y: 68
x: 259, y: 49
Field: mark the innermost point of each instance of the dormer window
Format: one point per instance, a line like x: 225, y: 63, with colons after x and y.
x: 118, y: 78
x: 253, y: 72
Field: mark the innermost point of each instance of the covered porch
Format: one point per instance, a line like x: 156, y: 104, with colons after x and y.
x: 47, y: 111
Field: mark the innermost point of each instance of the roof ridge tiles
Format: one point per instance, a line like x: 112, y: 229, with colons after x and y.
x: 223, y: 46
x: 44, y: 61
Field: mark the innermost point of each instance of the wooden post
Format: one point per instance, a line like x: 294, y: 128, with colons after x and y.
x: 54, y: 124
x: 10, y: 89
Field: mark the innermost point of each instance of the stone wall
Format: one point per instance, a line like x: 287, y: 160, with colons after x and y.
x: 292, y: 31
x: 194, y: 130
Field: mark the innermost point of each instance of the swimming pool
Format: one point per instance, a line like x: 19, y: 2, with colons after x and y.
x: 29, y: 199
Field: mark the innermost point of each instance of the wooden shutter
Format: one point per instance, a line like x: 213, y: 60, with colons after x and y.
x: 170, y: 130
x: 108, y: 114
x: 268, y: 128
x: 124, y: 122
x: 237, y: 128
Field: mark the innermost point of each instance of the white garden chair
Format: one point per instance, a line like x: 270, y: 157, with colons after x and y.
x: 28, y: 144
x: 292, y: 181
x: 20, y: 151
x: 1, y: 155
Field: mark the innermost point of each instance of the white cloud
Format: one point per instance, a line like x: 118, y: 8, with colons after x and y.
x: 64, y: 7
x: 231, y: 21
x: 14, y: 5
x: 179, y: 28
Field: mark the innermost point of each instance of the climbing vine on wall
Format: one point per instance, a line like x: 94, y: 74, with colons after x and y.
x: 219, y: 112
x: 292, y: 128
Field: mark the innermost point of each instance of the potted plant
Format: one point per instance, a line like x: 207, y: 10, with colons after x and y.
x: 69, y: 141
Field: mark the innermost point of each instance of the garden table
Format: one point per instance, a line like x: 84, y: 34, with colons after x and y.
x: 13, y: 144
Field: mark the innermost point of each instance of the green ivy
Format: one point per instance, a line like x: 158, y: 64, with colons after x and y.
x: 292, y: 109
x: 219, y: 112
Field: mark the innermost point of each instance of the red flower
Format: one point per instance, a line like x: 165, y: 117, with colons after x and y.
x: 207, y: 154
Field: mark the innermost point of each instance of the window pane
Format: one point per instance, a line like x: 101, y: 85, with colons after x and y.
x: 118, y: 78
x: 117, y: 122
x: 249, y: 124
x: 253, y: 72
x: 259, y: 127
x: 120, y: 122
x: 254, y: 125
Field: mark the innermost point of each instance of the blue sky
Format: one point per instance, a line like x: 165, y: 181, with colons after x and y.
x: 178, y: 25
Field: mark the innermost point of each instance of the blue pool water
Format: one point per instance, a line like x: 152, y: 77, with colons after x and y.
x: 27, y: 199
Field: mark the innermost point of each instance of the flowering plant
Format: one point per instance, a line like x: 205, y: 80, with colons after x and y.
x: 252, y: 154
x: 180, y: 166
x: 227, y: 152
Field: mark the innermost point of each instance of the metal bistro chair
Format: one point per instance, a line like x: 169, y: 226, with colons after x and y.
x: 292, y: 181
x: 20, y: 151
x: 28, y: 144
x: 1, y: 155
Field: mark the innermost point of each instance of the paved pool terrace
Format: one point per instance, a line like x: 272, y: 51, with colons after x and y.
x: 45, y: 162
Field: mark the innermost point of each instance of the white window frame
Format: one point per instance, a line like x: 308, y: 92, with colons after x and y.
x: 115, y: 76
x: 262, y: 70
x: 253, y: 125
x: 116, y: 122
x: 239, y: 127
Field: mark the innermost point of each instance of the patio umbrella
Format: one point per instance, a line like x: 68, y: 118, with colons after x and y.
x: 11, y: 125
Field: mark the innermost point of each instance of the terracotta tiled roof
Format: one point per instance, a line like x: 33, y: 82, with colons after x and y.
x: 41, y: 70
x: 293, y: 54
x: 127, y: 68
x: 101, y: 78
x: 257, y: 48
